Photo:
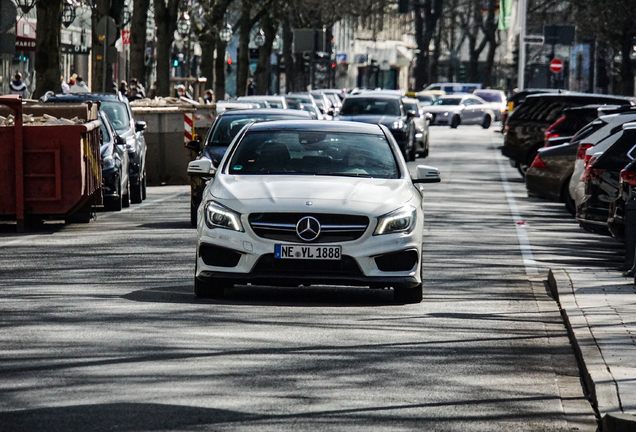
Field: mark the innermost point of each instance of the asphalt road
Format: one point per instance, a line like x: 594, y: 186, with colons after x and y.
x: 101, y: 331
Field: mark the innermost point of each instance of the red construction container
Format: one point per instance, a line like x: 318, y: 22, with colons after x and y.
x: 49, y: 171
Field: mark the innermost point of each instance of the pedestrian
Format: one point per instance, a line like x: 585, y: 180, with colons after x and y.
x: 181, y: 92
x: 71, y: 82
x: 208, y: 97
x: 140, y: 88
x: 133, y: 94
x: 123, y: 87
x: 251, y: 87
x: 65, y: 87
x: 79, y: 86
x: 18, y: 87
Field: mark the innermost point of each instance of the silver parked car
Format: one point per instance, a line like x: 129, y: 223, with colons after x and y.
x: 460, y: 109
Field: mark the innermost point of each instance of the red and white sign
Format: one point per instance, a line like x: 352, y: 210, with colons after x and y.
x: 125, y: 37
x: 556, y: 65
x: 188, y: 128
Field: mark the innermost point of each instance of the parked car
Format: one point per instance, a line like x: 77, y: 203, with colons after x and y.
x: 304, y: 102
x: 458, y: 110
x: 598, y: 142
x: 550, y: 172
x: 421, y: 122
x: 517, y: 98
x: 121, y: 117
x: 601, y: 177
x: 311, y: 202
x: 626, y: 193
x: 451, y: 88
x: 525, y: 128
x: 496, y: 99
x: 265, y: 101
x: 115, y: 178
x: 385, y: 109
x: 225, y: 127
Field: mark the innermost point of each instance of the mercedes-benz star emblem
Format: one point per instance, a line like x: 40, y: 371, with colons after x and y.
x: 308, y: 228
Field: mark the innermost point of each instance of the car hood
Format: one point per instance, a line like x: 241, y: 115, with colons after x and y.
x: 385, y: 120
x: 335, y: 194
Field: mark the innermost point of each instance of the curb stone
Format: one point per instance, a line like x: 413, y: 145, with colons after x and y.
x: 599, y: 383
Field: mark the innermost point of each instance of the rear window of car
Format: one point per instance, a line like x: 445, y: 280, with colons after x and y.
x: 370, y: 106
x: 293, y: 152
x: 615, y: 157
x: 228, y: 126
x: 447, y: 101
x: 489, y: 97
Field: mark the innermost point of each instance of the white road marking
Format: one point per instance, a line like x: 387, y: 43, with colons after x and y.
x: 520, y: 225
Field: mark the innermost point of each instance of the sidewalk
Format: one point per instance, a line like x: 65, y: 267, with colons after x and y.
x: 599, y: 310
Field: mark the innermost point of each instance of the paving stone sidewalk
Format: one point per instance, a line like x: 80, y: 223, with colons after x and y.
x: 599, y: 309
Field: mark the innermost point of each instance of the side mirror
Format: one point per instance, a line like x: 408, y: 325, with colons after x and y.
x: 427, y: 174
x: 194, y: 145
x: 140, y: 126
x: 429, y: 116
x: 331, y: 112
x: 120, y: 140
x: 412, y: 113
x: 201, y: 168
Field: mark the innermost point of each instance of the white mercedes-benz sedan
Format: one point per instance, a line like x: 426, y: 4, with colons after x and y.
x: 299, y: 203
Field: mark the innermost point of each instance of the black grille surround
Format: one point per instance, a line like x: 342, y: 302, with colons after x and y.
x: 333, y: 227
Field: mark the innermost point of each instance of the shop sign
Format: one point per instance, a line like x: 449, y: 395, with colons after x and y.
x: 24, y: 44
x: 74, y: 49
x: 125, y: 37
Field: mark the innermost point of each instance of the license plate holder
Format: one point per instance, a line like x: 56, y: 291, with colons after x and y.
x: 312, y: 252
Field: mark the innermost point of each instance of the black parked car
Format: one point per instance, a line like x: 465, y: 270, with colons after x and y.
x: 421, y: 122
x: 115, y: 178
x: 626, y: 193
x: 226, y: 126
x: 387, y: 110
x: 601, y: 177
x: 121, y: 117
x: 550, y: 172
x: 524, y: 132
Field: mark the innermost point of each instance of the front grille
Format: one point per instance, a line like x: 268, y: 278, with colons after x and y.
x: 397, y: 261
x: 333, y: 227
x: 346, y: 266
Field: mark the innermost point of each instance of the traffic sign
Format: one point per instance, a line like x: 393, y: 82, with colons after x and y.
x: 107, y: 29
x: 556, y: 65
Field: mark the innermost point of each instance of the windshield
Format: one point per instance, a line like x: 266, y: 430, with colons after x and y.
x: 315, y: 153
x: 228, y: 126
x: 117, y: 114
x: 489, y: 97
x: 447, y: 101
x: 370, y: 106
x: 104, y: 130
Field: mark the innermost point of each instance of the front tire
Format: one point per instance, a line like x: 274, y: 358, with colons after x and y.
x: 454, y: 122
x: 408, y: 295
x: 136, y: 192
x: 209, y: 290
x: 126, y: 197
x: 486, y: 122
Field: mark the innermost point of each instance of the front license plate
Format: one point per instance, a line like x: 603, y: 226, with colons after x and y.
x: 307, y: 252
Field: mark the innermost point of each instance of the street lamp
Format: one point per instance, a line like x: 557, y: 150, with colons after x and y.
x: 226, y: 34
x: 259, y: 39
x: 68, y: 13
x: 26, y: 5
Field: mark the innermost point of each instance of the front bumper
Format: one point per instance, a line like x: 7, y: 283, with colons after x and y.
x: 255, y: 262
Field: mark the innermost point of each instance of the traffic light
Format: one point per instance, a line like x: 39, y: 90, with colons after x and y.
x: 228, y: 68
x: 515, y: 58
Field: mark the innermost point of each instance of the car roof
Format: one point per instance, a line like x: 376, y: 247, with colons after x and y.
x: 318, y: 126
x: 487, y: 91
x: 577, y: 96
x: 371, y: 95
x: 260, y: 111
x: 82, y: 97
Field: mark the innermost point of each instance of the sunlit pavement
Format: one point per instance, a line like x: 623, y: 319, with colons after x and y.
x: 100, y: 326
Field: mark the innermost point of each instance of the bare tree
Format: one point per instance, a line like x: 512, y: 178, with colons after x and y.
x: 138, y: 40
x: 47, y: 47
x: 166, y: 13
x: 427, y: 14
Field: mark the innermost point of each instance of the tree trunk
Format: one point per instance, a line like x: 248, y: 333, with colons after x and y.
x: 288, y: 54
x: 243, y: 61
x: 427, y: 15
x: 166, y: 19
x: 263, y: 67
x: 219, y: 71
x: 627, y: 67
x: 207, y: 42
x: 47, y: 47
x: 138, y: 40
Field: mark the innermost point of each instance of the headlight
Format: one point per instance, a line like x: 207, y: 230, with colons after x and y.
x: 401, y: 220
x: 218, y: 216
x: 108, y: 162
x: 399, y: 124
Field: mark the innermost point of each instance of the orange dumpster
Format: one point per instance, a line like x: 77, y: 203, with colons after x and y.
x: 49, y: 171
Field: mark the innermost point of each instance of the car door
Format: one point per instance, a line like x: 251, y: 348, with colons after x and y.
x: 468, y: 111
